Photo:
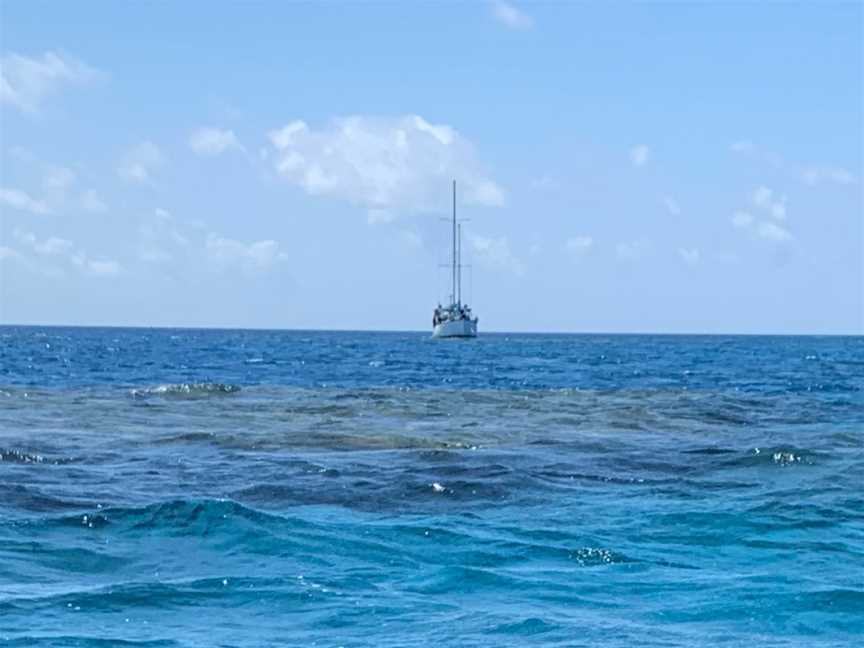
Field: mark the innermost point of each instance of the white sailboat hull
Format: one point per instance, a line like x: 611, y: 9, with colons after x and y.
x: 463, y: 328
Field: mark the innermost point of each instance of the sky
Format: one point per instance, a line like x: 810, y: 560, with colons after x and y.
x: 622, y: 167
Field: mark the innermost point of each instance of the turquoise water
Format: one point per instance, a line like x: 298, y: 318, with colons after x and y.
x: 255, y: 488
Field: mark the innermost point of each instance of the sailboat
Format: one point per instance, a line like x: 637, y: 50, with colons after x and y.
x: 456, y: 319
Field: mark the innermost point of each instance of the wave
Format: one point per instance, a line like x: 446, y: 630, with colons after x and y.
x: 167, y: 594
x: 31, y: 499
x: 21, y: 457
x: 186, y: 390
x: 86, y: 641
x: 221, y: 521
x: 776, y: 455
x: 174, y: 516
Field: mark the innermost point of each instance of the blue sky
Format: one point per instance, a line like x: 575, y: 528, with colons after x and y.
x: 625, y: 167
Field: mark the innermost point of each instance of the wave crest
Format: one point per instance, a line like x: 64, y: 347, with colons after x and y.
x: 186, y: 390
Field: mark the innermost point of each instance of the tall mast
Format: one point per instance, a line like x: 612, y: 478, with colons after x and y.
x: 459, y: 269
x: 454, y: 243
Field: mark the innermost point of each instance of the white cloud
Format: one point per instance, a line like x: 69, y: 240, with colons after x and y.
x: 749, y: 148
x: 140, y: 162
x: 160, y: 238
x: 509, y: 16
x: 495, y: 253
x: 58, y: 188
x: 578, y: 245
x: 742, y: 219
x: 816, y: 175
x: 765, y: 199
x: 54, y: 257
x: 639, y: 155
x: 762, y: 196
x: 57, y: 185
x: 91, y: 202
x: 58, y: 179
x: 378, y: 216
x: 8, y: 253
x: 743, y: 146
x: 252, y: 257
x: 22, y: 201
x: 690, y: 256
x: 543, y: 182
x: 186, y: 248
x: 103, y: 268
x: 53, y: 247
x: 672, y: 205
x: 486, y: 192
x: 213, y: 141
x: 772, y: 231
x: 410, y: 239
x: 810, y: 175
x: 380, y: 163
x: 632, y: 250
x: 25, y: 82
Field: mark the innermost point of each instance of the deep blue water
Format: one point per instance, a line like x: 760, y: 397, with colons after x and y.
x: 255, y: 488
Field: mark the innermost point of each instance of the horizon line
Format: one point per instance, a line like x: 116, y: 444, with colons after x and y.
x: 421, y: 331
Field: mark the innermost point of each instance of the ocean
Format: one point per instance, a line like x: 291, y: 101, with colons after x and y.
x: 177, y: 487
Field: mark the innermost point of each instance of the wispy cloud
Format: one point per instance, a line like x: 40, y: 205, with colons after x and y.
x: 140, y: 162
x: 251, y: 257
x: 22, y: 201
x: 387, y: 164
x: 55, y: 257
x: 690, y: 256
x: 639, y: 155
x: 742, y: 219
x: 495, y: 253
x: 763, y: 222
x: 510, y: 16
x: 160, y: 238
x: 765, y: 199
x: 811, y: 175
x: 410, y: 239
x: 827, y: 174
x: 672, y: 205
x: 60, y: 190
x: 26, y: 82
x: 58, y: 179
x: 92, y: 202
x: 543, y: 182
x: 742, y: 146
x: 213, y: 141
x: 633, y: 250
x: 749, y: 148
x: 59, y: 183
x: 578, y: 246
x: 772, y: 231
x: 182, y: 248
x: 378, y: 216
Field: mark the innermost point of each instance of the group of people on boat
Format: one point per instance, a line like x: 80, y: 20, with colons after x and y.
x: 455, y: 312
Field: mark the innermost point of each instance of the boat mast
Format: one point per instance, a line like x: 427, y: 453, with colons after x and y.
x: 453, y: 294
x: 459, y: 269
